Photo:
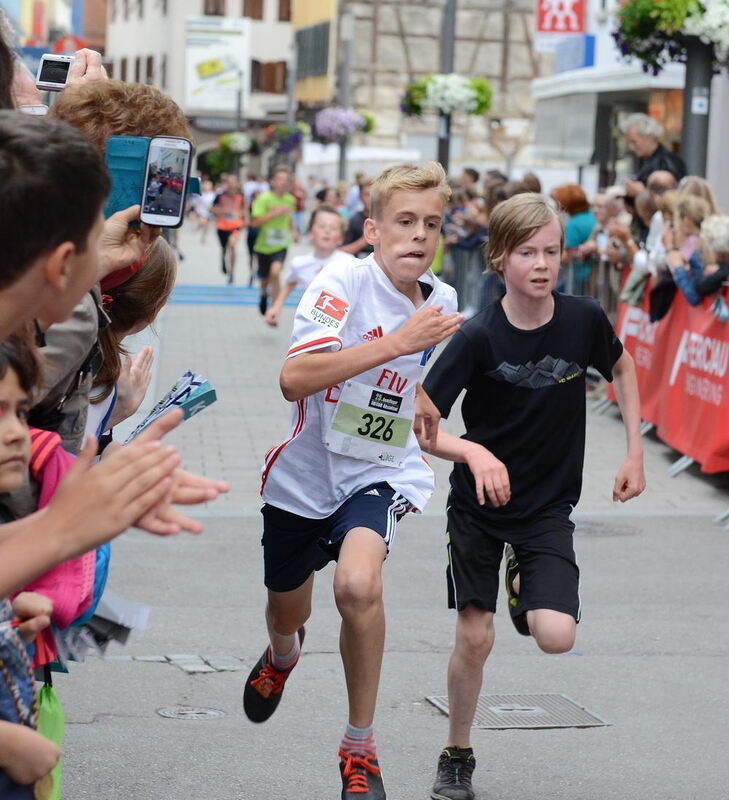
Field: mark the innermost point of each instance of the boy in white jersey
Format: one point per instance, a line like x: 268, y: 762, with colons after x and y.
x: 326, y: 232
x: 351, y: 465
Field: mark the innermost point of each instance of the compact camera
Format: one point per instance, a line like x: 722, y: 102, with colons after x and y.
x: 53, y: 72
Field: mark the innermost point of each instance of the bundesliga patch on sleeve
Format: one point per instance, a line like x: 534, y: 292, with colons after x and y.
x: 329, y: 310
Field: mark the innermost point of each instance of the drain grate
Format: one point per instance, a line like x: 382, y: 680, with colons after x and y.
x: 190, y: 712
x: 528, y: 711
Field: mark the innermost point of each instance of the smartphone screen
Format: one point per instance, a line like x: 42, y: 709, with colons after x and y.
x: 168, y: 168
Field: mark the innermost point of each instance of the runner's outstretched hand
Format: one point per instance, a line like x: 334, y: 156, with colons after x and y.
x: 426, y: 328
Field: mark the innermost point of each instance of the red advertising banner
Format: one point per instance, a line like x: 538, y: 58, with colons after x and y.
x: 560, y: 16
x: 682, y: 363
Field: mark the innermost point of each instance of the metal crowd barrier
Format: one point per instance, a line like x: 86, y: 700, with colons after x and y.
x: 466, y: 271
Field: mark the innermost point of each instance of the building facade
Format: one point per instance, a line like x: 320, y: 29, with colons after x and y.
x: 579, y: 108
x: 223, y: 61
x: 396, y: 42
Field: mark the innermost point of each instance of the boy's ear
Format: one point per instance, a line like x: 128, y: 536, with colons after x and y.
x: 371, y: 232
x: 57, y: 268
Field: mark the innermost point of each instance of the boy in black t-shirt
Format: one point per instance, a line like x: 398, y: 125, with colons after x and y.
x: 518, y: 468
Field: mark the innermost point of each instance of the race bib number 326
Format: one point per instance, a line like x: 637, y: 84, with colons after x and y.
x: 371, y: 424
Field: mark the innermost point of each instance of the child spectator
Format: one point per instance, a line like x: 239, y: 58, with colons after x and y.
x: 518, y: 467
x: 326, y: 227
x: 697, y: 284
x: 25, y: 756
x: 351, y: 467
x: 120, y: 385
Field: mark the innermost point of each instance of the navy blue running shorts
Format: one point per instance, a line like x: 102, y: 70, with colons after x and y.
x: 294, y: 546
x: 549, y: 575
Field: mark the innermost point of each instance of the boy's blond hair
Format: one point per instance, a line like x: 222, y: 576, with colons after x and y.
x: 514, y: 221
x: 407, y: 178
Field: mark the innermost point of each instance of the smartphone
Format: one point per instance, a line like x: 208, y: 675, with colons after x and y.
x: 166, y: 175
x: 35, y: 110
x: 53, y: 72
x: 126, y: 158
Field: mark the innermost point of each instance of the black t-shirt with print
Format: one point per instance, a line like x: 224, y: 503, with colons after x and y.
x: 525, y: 400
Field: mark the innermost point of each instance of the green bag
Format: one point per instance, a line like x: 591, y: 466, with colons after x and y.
x: 51, y: 723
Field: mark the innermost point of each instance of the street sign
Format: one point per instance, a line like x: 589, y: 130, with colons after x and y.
x: 557, y: 20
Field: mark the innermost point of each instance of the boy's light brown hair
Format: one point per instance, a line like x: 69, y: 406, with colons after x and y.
x: 513, y: 222
x: 407, y: 178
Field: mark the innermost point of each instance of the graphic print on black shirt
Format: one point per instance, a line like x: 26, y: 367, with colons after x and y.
x: 546, y: 372
x: 525, y: 400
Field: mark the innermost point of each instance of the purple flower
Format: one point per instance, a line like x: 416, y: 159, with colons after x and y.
x: 335, y: 124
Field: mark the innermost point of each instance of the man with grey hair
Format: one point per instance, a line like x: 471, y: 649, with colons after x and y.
x: 643, y: 133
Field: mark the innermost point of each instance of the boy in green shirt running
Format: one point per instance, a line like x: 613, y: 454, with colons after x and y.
x: 272, y: 213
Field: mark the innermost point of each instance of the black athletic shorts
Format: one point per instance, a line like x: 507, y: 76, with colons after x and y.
x: 266, y: 259
x: 549, y: 576
x: 223, y: 236
x: 294, y: 546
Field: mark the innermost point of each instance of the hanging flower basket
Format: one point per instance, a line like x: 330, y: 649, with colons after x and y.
x: 447, y: 94
x: 336, y: 123
x: 656, y: 32
x: 286, y: 138
x: 235, y: 142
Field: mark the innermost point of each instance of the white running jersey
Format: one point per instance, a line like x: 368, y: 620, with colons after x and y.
x: 304, y: 268
x: 349, y: 303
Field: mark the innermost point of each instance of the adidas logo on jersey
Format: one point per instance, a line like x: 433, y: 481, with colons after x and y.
x: 375, y: 333
x: 373, y: 492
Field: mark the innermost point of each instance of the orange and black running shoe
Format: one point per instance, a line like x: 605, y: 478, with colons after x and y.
x: 361, y: 776
x: 265, y: 686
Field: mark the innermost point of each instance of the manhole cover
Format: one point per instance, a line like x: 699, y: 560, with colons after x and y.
x: 504, y: 711
x: 190, y: 712
x: 593, y: 528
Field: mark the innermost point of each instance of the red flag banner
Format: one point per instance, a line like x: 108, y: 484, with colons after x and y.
x: 682, y: 363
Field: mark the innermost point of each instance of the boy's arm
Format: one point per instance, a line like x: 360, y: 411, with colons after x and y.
x: 308, y: 373
x: 489, y: 474
x: 274, y: 312
x: 630, y: 480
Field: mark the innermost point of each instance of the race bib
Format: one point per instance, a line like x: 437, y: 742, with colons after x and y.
x: 277, y: 237
x: 371, y: 424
